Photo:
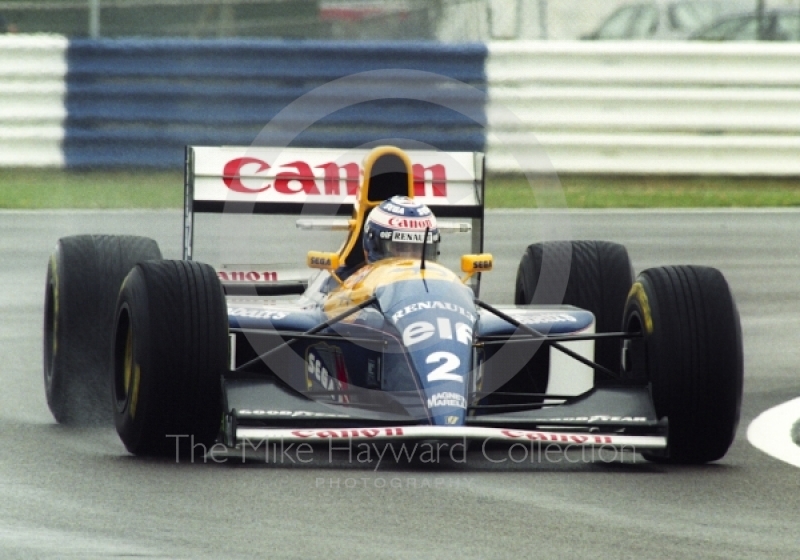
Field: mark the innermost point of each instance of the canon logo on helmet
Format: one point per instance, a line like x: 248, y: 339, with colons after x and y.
x: 411, y: 223
x: 298, y: 177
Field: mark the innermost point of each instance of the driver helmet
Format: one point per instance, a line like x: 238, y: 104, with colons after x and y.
x: 396, y: 228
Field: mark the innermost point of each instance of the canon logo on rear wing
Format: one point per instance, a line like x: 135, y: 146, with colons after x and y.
x: 269, y: 177
x: 241, y: 175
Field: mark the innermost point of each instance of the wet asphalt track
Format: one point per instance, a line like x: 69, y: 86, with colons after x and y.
x: 77, y: 494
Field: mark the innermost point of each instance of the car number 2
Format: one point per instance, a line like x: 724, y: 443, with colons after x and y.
x: 445, y: 371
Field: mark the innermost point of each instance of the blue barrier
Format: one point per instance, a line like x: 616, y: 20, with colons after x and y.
x: 137, y: 102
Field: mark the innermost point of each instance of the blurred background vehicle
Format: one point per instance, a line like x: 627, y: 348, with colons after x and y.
x: 774, y: 25
x: 378, y: 19
x: 282, y: 19
x: 6, y: 26
x: 450, y: 21
x: 662, y: 20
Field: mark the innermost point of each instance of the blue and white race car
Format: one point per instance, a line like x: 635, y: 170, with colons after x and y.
x: 398, y: 349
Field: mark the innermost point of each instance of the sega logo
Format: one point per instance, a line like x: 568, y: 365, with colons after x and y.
x: 482, y: 265
x: 320, y: 261
x: 298, y: 177
x: 317, y: 371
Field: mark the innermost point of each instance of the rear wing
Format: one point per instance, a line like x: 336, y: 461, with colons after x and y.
x: 320, y: 182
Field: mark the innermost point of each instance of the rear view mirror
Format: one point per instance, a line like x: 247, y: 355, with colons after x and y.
x: 477, y: 263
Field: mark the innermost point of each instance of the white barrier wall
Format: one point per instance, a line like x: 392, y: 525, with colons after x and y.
x: 32, y: 90
x: 582, y: 107
x: 644, y: 107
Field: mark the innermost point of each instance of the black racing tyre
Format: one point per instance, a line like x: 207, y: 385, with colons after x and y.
x: 591, y: 275
x: 170, y: 352
x: 84, y: 276
x: 691, y: 353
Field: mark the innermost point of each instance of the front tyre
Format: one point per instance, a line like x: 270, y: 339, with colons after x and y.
x: 691, y: 352
x: 591, y: 275
x: 84, y: 275
x: 170, y: 352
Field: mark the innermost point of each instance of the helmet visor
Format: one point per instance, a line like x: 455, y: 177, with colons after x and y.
x: 409, y: 244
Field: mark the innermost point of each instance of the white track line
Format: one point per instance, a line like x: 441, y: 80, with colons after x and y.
x: 771, y: 432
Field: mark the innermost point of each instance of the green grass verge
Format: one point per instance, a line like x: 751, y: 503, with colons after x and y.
x: 50, y: 188
x: 581, y: 191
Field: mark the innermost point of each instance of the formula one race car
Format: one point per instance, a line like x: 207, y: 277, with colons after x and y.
x: 398, y: 349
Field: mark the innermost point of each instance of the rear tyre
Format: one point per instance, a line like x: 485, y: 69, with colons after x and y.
x: 591, y: 275
x: 84, y: 275
x: 170, y: 352
x: 692, y: 355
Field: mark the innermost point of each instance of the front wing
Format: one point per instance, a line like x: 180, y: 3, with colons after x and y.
x: 252, y: 436
x: 261, y: 410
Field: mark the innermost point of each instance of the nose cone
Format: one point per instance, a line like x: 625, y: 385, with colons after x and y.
x: 436, y: 328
